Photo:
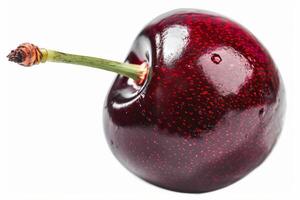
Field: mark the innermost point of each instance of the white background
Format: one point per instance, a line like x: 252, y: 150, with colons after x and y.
x: 52, y: 144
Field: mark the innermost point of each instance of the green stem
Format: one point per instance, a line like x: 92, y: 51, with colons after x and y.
x: 136, y: 72
x: 28, y: 54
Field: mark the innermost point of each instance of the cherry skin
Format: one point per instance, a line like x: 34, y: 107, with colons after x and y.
x: 210, y: 110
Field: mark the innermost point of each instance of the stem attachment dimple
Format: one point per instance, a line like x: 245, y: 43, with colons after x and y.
x: 29, y: 54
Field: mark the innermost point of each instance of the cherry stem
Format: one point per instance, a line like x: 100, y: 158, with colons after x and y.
x: 28, y: 54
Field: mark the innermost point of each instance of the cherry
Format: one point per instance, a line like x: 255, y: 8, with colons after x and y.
x: 197, y: 105
x: 210, y: 110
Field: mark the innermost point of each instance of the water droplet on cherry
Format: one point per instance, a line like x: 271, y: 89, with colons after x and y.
x: 261, y: 112
x: 216, y: 58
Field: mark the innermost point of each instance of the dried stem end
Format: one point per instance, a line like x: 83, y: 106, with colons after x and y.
x: 26, y: 54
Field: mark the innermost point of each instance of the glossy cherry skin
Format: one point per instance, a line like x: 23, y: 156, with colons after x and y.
x: 210, y: 110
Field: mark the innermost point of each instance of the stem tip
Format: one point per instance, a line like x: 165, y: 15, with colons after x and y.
x: 26, y: 54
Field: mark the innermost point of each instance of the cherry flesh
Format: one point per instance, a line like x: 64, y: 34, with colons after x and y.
x: 210, y: 110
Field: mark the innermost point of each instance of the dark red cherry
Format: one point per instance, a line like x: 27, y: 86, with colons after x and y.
x: 210, y: 110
